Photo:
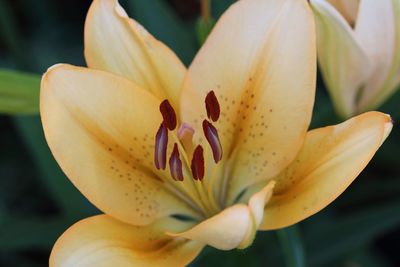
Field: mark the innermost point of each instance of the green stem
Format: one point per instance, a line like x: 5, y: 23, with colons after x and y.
x: 206, y: 10
x: 60, y: 188
x: 292, y: 246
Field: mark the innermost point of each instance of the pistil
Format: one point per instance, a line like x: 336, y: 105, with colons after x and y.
x: 185, y: 135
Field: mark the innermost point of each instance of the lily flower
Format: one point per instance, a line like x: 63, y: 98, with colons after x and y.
x: 358, y: 51
x: 179, y: 158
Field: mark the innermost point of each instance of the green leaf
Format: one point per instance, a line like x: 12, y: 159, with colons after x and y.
x: 72, y: 203
x: 339, y: 236
x: 11, y: 37
x: 7, y: 27
x: 324, y: 113
x: 391, y: 106
x: 292, y: 246
x: 368, y: 257
x: 19, y: 92
x: 373, y: 189
x: 161, y: 21
x: 36, y: 232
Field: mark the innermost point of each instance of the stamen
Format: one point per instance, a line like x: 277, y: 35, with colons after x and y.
x: 185, y: 135
x: 175, y: 164
x: 160, y: 155
x: 197, y: 165
x: 211, y: 135
x: 212, y: 106
x: 168, y: 113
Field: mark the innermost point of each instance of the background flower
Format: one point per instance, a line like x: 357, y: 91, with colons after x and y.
x: 358, y: 51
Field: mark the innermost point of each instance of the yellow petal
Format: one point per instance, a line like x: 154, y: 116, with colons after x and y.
x: 246, y: 60
x: 332, y: 157
x: 226, y: 230
x: 343, y: 63
x: 116, y: 43
x: 103, y: 242
x: 348, y: 9
x: 376, y: 32
x: 100, y: 128
x: 256, y: 205
x: 258, y: 201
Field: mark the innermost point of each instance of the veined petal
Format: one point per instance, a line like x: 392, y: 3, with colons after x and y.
x: 102, y: 242
x: 344, y: 65
x: 118, y: 44
x: 246, y: 60
x: 348, y: 9
x: 100, y: 128
x: 332, y: 157
x: 376, y: 31
x: 227, y: 230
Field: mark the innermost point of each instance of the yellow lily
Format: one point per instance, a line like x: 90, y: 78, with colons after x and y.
x: 178, y: 159
x: 358, y: 51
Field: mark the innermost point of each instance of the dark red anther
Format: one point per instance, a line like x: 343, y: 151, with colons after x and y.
x: 175, y: 164
x: 160, y: 153
x: 211, y: 135
x: 168, y: 113
x: 197, y: 165
x: 212, y: 106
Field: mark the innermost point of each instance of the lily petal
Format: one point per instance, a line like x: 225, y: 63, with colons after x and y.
x: 118, y: 44
x: 332, y: 157
x: 102, y: 242
x: 344, y: 64
x: 348, y: 9
x: 376, y: 32
x: 246, y: 60
x: 100, y: 128
x: 240, y: 235
x: 258, y: 201
x: 227, y: 230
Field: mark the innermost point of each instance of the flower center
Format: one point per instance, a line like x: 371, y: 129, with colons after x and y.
x: 186, y: 162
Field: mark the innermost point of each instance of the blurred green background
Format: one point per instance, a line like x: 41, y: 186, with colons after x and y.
x: 37, y: 202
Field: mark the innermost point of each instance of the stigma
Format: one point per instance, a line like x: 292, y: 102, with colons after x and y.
x: 184, y: 144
